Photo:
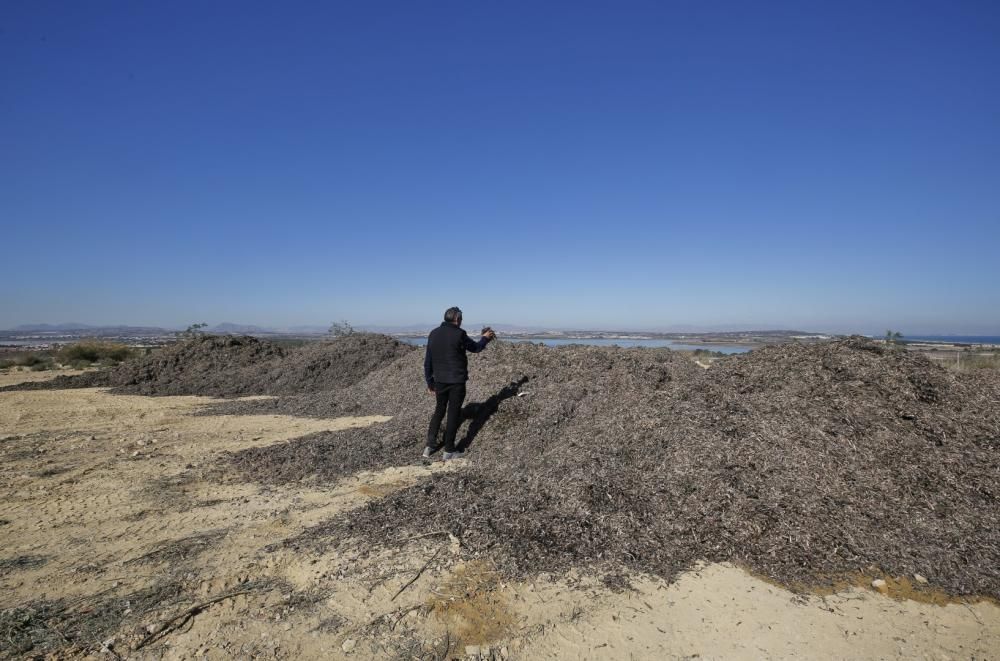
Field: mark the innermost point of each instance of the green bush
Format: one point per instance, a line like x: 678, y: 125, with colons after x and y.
x: 90, y: 352
x: 25, y: 359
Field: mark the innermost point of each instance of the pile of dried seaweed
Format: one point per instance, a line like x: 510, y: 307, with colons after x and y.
x: 231, y: 366
x: 521, y: 397
x: 798, y: 461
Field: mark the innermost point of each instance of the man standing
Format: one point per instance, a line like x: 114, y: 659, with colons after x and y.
x: 446, y: 369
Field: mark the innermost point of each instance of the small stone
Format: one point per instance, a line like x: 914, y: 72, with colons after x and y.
x: 348, y: 645
x: 140, y: 442
x: 919, y: 579
x: 151, y: 628
x: 880, y: 585
x: 472, y: 650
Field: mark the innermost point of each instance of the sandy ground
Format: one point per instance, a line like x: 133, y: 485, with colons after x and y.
x: 119, y: 500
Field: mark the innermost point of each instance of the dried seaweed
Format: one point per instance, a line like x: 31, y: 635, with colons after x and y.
x: 20, y: 563
x: 43, y: 627
x: 176, y: 550
x: 796, y: 461
x: 519, y: 397
x: 232, y: 366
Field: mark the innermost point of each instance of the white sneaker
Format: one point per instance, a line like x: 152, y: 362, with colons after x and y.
x: 427, y: 452
x: 448, y: 456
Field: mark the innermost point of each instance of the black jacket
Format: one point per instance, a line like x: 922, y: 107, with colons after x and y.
x: 445, y: 360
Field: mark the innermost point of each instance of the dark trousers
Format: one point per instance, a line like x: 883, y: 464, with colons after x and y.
x: 449, y: 398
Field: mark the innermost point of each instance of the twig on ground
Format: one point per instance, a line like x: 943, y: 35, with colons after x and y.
x: 447, y: 645
x: 417, y: 575
x: 183, y: 617
x: 399, y: 616
x: 54, y: 629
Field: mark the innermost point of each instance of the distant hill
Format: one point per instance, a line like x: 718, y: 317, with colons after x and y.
x: 229, y: 328
x: 422, y: 329
x: 309, y: 330
x: 418, y: 329
x: 51, y: 328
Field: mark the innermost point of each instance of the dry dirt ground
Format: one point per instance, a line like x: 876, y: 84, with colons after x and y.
x: 115, y: 518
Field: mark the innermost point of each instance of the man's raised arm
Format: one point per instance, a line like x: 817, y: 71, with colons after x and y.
x: 475, y: 347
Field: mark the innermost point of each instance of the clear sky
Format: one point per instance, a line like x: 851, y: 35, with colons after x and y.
x: 821, y: 165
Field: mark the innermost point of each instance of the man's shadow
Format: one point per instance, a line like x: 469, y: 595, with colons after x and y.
x: 481, y: 412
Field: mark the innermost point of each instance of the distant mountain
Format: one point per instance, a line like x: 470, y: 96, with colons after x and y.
x: 229, y: 328
x: 51, y: 328
x: 418, y: 329
x: 308, y: 330
x: 423, y: 329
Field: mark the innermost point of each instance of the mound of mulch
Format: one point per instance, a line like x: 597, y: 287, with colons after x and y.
x: 519, y: 396
x: 332, y: 364
x: 796, y: 461
x: 213, y: 365
x: 234, y: 366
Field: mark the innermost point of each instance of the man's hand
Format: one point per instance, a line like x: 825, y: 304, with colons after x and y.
x: 489, y: 333
x: 431, y: 390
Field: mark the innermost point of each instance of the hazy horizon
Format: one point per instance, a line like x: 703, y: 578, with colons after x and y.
x: 663, y: 328
x: 830, y: 166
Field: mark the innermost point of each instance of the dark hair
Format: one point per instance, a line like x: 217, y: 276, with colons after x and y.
x: 452, y: 314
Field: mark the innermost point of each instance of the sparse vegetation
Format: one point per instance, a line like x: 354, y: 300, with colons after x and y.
x: 893, y: 337
x: 79, y: 355
x: 36, y: 361
x: 341, y: 328
x: 192, y: 330
x: 980, y: 361
x: 963, y: 361
x: 87, y: 353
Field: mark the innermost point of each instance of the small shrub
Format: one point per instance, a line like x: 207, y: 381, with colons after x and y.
x: 27, y: 359
x: 341, y: 328
x: 90, y: 352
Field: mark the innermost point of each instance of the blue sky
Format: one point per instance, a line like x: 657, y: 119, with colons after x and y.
x: 822, y: 165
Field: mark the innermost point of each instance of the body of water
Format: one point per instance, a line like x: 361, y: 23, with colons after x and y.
x: 626, y: 343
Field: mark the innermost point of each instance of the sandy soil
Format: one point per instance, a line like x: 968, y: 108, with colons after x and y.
x: 119, y: 498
